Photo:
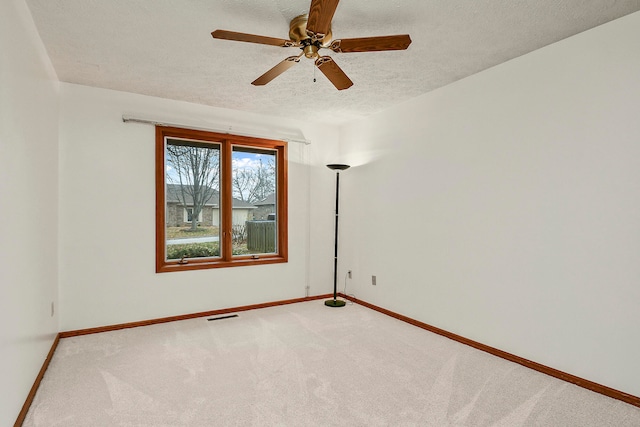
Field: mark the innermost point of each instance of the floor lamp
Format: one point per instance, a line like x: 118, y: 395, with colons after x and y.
x: 335, y: 302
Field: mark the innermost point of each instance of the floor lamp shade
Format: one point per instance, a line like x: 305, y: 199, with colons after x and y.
x: 335, y: 302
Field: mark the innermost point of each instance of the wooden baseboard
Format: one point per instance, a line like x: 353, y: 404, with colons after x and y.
x: 590, y: 385
x: 32, y: 393
x: 99, y: 329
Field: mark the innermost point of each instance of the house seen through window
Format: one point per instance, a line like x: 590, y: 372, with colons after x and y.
x: 221, y: 200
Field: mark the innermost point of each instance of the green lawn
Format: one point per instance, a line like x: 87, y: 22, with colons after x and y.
x: 186, y: 233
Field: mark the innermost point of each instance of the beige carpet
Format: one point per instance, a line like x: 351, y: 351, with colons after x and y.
x: 302, y: 365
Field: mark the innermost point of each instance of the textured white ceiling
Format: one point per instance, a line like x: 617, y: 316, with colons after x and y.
x: 164, y: 47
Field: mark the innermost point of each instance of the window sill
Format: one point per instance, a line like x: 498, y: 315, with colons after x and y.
x: 204, y: 264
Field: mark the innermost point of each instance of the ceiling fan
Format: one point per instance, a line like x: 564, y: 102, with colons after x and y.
x: 311, y: 33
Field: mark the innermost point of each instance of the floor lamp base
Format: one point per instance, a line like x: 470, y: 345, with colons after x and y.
x: 335, y: 303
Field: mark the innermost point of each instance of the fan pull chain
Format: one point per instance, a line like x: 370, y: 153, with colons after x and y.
x: 314, y: 74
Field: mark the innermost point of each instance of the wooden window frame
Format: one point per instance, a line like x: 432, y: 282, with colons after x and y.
x: 226, y: 143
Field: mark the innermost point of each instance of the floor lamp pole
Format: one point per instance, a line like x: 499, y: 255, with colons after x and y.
x: 335, y: 302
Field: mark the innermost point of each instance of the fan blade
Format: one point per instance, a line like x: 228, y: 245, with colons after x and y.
x: 371, y: 44
x: 320, y: 16
x: 251, y: 38
x: 276, y: 71
x: 334, y: 73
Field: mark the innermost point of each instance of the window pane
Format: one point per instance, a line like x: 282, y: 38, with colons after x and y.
x: 192, y: 182
x: 254, y: 228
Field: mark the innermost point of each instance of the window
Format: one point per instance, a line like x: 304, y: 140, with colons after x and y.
x: 225, y: 182
x: 188, y: 215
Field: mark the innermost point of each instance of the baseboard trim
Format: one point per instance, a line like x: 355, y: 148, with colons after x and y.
x: 99, y: 329
x: 589, y: 385
x: 32, y: 393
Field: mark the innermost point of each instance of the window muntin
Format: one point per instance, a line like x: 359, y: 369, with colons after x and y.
x: 225, y: 179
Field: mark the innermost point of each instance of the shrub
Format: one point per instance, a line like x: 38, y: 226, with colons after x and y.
x: 200, y: 250
x: 240, y: 250
x: 193, y: 250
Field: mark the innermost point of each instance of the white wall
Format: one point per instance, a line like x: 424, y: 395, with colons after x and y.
x: 28, y: 206
x: 506, y: 207
x: 107, y: 214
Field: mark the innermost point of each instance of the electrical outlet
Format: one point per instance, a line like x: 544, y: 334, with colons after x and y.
x: 52, y: 309
x: 349, y: 274
x: 373, y: 280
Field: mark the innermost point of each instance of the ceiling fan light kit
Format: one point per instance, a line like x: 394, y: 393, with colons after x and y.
x: 312, y: 32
